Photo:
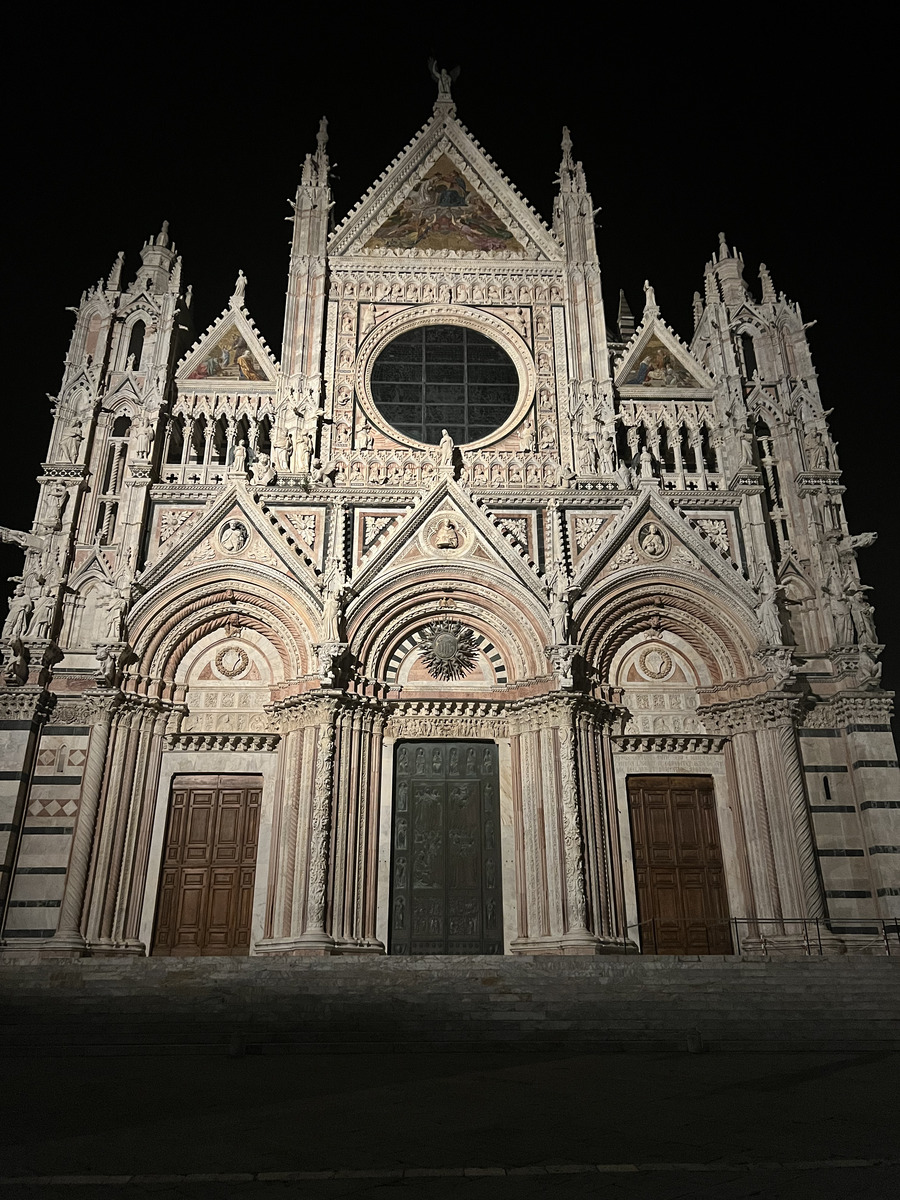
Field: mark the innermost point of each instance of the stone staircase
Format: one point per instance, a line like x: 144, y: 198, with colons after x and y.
x: 298, y: 1005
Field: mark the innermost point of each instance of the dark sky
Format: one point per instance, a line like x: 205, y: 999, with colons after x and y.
x: 767, y: 129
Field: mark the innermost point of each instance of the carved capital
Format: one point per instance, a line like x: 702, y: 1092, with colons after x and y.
x: 26, y: 704
x: 752, y: 713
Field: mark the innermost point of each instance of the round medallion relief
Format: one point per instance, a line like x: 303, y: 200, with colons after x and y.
x: 655, y: 663
x: 232, y: 661
x: 446, y: 534
x: 234, y: 536
x: 652, y: 540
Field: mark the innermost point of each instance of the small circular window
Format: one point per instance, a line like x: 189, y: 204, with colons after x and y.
x: 449, y: 377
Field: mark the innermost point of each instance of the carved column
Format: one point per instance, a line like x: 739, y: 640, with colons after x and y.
x: 792, y: 769
x: 552, y: 831
x: 135, y: 855
x: 602, y: 854
x: 68, y: 936
x: 531, y: 872
x: 285, y: 847
x: 354, y: 791
x: 755, y: 820
x: 368, y: 898
x: 109, y: 842
x: 320, y: 831
x: 778, y: 831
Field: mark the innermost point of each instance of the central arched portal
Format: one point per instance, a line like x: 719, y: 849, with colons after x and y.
x: 445, y: 849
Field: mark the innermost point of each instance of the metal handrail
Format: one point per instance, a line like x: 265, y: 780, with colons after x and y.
x: 767, y: 934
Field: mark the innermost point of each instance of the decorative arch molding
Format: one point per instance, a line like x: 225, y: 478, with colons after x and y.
x: 682, y: 653
x: 704, y: 623
x: 509, y: 619
x: 161, y: 633
x: 480, y: 642
x: 446, y: 314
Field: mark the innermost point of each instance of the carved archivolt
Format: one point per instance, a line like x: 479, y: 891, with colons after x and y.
x: 614, y: 617
x: 162, y: 634
x: 509, y: 619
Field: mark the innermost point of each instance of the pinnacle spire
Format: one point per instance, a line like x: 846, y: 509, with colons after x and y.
x: 625, y: 317
x: 321, y: 152
x: 567, y: 163
x: 114, y: 282
x: 768, y: 287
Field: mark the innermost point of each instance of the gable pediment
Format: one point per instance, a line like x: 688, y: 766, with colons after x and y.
x: 446, y: 527
x: 231, y: 354
x: 658, y: 364
x: 651, y: 534
x: 443, y: 195
x: 233, y: 531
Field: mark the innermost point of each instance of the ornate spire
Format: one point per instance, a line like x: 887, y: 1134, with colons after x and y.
x: 567, y: 163
x: 698, y: 310
x: 321, y: 152
x: 162, y: 238
x: 711, y: 286
x: 625, y: 318
x: 768, y: 287
x: 114, y: 282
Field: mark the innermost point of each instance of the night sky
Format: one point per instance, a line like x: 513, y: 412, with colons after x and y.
x: 683, y: 131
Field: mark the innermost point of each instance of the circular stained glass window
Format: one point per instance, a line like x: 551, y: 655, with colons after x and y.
x: 444, y: 377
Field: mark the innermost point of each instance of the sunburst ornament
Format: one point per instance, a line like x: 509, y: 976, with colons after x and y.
x: 447, y: 649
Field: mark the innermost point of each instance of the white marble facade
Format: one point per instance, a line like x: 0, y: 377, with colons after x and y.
x: 241, y: 564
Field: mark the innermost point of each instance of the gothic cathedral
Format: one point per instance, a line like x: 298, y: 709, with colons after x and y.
x: 475, y: 623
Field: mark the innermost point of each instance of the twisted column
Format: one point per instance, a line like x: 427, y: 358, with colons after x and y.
x: 576, y: 903
x: 320, y: 831
x: 799, y: 810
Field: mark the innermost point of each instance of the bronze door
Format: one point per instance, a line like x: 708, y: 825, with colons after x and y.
x: 445, y: 897
x: 209, y: 866
x: 682, y: 903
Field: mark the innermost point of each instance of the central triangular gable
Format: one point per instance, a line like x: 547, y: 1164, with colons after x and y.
x: 444, y: 194
x: 443, y: 211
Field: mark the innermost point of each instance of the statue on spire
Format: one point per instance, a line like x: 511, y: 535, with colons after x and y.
x: 240, y: 287
x: 651, y: 308
x: 443, y: 79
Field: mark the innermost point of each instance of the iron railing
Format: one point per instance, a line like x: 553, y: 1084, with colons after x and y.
x: 764, y: 936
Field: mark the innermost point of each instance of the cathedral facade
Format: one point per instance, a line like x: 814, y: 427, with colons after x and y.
x: 477, y: 623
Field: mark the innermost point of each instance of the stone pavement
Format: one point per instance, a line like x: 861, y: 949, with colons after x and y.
x: 477, y: 1125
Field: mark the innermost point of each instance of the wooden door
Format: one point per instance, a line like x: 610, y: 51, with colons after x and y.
x: 682, y: 904
x: 209, y: 866
x: 446, y: 862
